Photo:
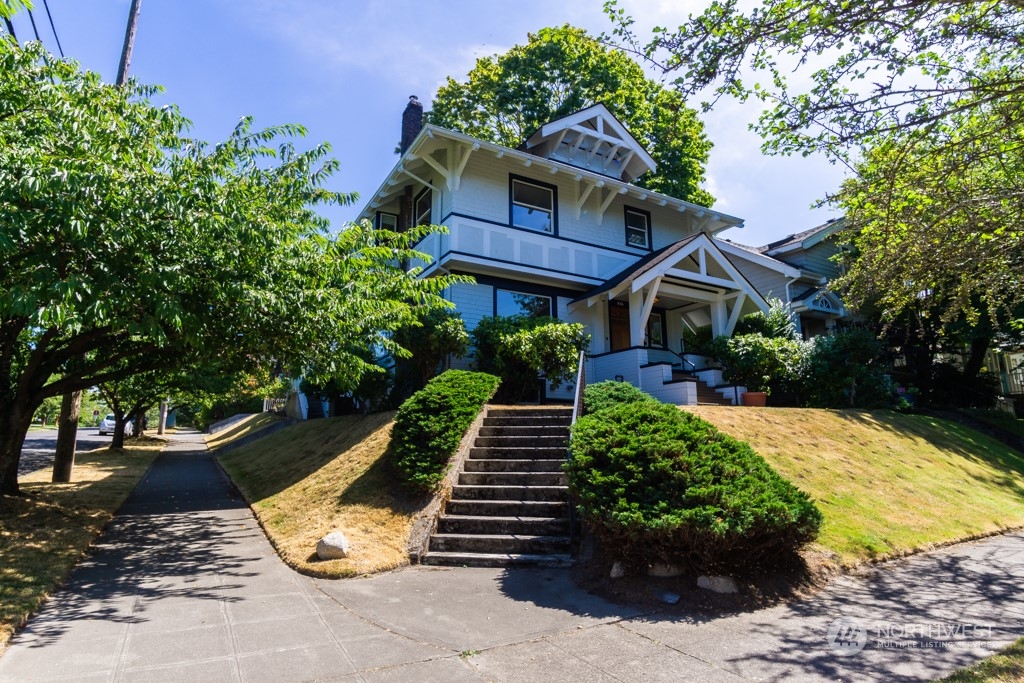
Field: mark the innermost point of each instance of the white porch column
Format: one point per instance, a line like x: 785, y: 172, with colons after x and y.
x: 641, y: 303
x: 719, y: 318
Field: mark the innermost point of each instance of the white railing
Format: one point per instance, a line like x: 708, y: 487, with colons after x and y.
x: 581, y: 384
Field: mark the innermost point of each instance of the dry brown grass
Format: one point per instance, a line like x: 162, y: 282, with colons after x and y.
x: 44, y: 533
x: 241, y: 429
x: 888, y: 484
x: 319, y: 476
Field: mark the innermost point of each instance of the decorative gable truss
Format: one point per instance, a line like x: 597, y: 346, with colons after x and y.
x: 592, y: 139
x: 692, y: 273
x: 821, y: 300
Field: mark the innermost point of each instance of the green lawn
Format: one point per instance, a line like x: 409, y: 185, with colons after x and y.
x: 887, y: 483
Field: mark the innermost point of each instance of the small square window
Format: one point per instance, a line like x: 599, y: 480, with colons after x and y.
x: 638, y: 228
x: 533, y: 206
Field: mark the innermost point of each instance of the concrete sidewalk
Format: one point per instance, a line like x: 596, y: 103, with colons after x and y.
x: 183, y: 586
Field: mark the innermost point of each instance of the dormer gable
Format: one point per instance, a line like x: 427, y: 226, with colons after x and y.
x: 592, y: 139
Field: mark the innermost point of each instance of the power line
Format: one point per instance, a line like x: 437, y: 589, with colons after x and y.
x: 53, y: 28
x: 34, y: 29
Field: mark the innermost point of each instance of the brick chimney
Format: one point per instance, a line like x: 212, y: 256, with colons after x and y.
x: 412, y: 122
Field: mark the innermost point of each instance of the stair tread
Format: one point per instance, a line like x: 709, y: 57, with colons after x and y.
x: 554, y: 559
x: 505, y: 518
x: 532, y: 537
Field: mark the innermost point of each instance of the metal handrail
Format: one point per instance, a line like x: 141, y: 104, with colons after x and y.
x: 581, y: 384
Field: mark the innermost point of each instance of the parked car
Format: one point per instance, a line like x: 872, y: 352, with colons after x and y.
x: 109, y: 423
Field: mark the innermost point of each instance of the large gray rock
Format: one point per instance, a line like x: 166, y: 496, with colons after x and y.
x: 333, y: 546
x: 718, y: 584
x: 663, y: 570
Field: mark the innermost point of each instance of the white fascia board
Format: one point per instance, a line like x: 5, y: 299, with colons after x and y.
x: 431, y: 131
x: 759, y: 259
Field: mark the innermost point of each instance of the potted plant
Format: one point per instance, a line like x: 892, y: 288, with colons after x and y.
x: 752, y: 361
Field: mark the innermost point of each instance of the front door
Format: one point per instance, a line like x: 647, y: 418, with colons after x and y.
x: 618, y: 325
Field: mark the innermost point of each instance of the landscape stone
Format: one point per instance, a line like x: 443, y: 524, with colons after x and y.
x: 618, y: 571
x: 718, y: 584
x: 333, y: 546
x: 663, y: 570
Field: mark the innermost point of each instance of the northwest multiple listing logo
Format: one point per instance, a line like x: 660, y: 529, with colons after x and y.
x: 847, y: 636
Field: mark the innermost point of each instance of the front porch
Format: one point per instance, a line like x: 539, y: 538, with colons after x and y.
x: 638, y: 317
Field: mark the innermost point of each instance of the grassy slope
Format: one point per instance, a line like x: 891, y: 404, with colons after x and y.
x: 43, y: 534
x: 1007, y: 666
x: 323, y: 475
x: 887, y: 483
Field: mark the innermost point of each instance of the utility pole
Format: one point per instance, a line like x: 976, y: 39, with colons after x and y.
x: 129, y: 42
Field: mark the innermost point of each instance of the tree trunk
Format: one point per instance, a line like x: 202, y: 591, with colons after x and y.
x: 64, y: 460
x: 117, y: 441
x: 15, y: 421
x: 976, y: 358
x: 163, y: 418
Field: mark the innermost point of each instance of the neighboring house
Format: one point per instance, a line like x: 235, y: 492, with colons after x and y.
x: 797, y: 269
x: 557, y: 227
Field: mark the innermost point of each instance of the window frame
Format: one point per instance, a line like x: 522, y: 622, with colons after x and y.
x: 648, y: 232
x: 553, y: 189
x: 655, y: 314
x: 416, y: 214
x: 378, y: 223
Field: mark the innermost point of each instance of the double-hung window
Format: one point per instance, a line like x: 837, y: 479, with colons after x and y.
x: 533, y: 206
x: 422, y: 207
x: 638, y: 228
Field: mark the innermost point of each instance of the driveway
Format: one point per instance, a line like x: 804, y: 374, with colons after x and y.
x: 183, y: 586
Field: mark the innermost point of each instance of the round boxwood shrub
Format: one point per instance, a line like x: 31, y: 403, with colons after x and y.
x: 606, y: 394
x: 661, y: 485
x: 431, y: 423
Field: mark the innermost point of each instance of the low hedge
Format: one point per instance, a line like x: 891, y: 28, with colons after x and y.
x: 607, y: 394
x: 431, y: 423
x: 661, y: 485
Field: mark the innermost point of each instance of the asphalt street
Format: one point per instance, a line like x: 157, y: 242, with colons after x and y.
x: 41, y: 444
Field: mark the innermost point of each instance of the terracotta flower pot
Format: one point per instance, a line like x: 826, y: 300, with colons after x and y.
x: 754, y: 398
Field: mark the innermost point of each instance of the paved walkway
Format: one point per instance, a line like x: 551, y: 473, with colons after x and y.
x: 183, y: 586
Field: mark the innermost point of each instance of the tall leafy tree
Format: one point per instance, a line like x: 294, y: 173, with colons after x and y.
x: 124, y: 245
x: 505, y: 98
x: 923, y: 100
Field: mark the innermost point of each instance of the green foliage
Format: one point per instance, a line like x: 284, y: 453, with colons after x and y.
x: 128, y: 247
x: 561, y: 71
x: 660, y: 484
x: 517, y: 347
x: 434, y: 335
x: 777, y: 323
x: 430, y: 425
x: 757, y: 362
x: 48, y: 410
x: 609, y: 394
x: 845, y: 370
x: 924, y: 100
x: 698, y: 341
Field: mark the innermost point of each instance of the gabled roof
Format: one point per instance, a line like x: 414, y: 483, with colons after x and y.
x: 665, y: 262
x: 592, y: 139
x: 805, y: 239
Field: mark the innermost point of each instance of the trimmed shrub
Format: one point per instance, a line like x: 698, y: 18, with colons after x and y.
x: 432, y: 422
x: 847, y: 370
x: 662, y: 485
x: 608, y: 394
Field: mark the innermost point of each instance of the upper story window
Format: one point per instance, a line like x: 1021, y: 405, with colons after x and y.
x: 422, y: 206
x: 533, y: 205
x: 508, y: 303
x: 387, y: 221
x: 638, y: 228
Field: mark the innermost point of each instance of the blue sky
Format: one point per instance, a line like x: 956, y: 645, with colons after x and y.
x: 345, y: 70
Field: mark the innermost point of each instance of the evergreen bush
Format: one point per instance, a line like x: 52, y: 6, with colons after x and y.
x: 661, y: 485
x: 432, y: 422
x: 608, y: 394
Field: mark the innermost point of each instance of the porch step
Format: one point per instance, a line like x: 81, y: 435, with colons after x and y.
x: 706, y: 394
x: 511, y: 503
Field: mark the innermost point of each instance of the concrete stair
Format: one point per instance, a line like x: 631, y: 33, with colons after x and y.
x: 706, y: 394
x: 510, y: 506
